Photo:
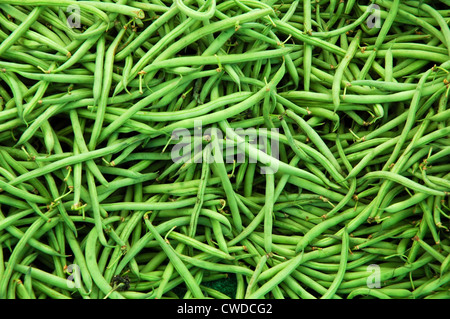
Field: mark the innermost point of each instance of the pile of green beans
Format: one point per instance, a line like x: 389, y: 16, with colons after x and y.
x: 94, y: 206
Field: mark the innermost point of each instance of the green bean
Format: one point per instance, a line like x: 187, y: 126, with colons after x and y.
x: 10, y: 220
x: 79, y: 257
x: 23, y: 27
x: 445, y: 265
x: 336, y: 87
x: 431, y: 251
x: 428, y: 217
x: 94, y: 8
x: 384, y: 30
x: 360, y: 99
x: 315, y: 138
x: 432, y: 286
x: 95, y: 207
x: 235, y: 109
x: 28, y: 107
x: 253, y: 280
x: 403, y: 181
x: 48, y: 291
x: 44, y: 277
x: 177, y: 263
x: 106, y: 85
x: 207, y: 29
x: 14, y: 85
x: 92, y: 265
x: 267, y: 160
x: 81, y: 145
x: 315, y: 254
x: 228, y: 187
x: 416, y: 20
x: 268, y: 214
x: 201, y: 190
x: 98, y: 73
x: 18, y: 250
x: 28, y: 285
x: 318, y: 229
x: 214, y: 266
x: 37, y: 25
x: 147, y: 33
x: 75, y: 159
x: 34, y: 242
x: 199, y: 245
x: 22, y: 194
x: 196, y: 15
x: 224, y: 59
x: 442, y: 23
x: 82, y: 50
x: 342, y: 267
x: 281, y: 275
x: 143, y: 103
x: 307, y: 49
x: 369, y: 292
x: 390, y: 273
